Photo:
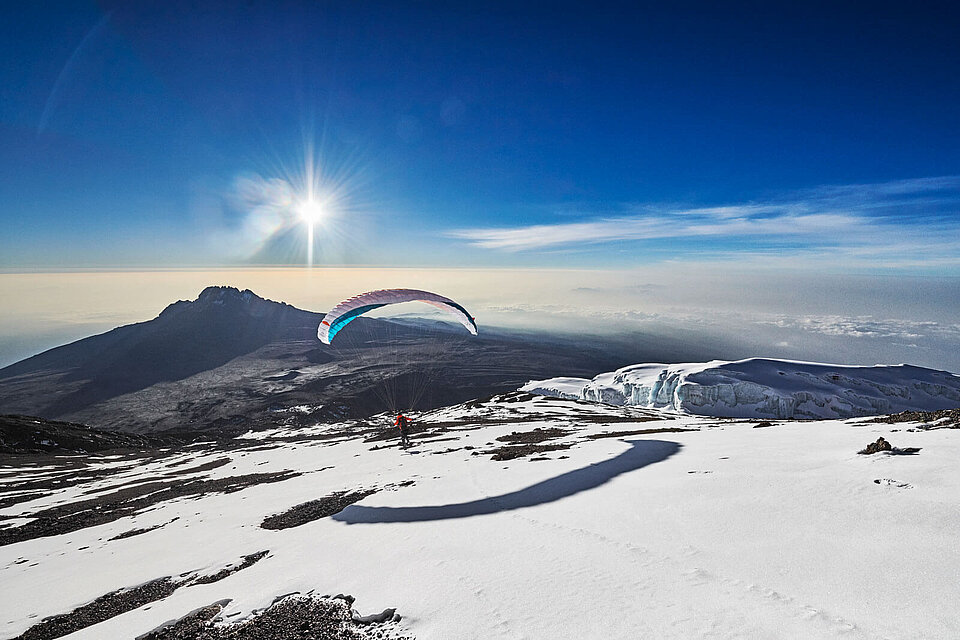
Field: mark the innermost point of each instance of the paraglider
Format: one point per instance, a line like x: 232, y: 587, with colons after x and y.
x: 352, y: 308
x: 397, y: 362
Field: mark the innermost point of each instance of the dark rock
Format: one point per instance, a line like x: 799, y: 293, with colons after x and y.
x: 943, y: 419
x: 533, y: 437
x: 876, y: 447
x: 512, y: 452
x: 134, y: 532
x: 103, y: 608
x: 882, y: 446
x: 248, y: 561
x: 292, y: 618
x: 315, y: 509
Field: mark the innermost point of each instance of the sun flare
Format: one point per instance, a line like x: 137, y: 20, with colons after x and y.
x: 310, y: 210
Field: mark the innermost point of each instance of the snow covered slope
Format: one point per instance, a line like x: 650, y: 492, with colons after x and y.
x: 765, y: 388
x: 518, y: 517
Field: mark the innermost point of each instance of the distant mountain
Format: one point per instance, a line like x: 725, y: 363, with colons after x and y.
x: 231, y: 360
x: 765, y: 388
x: 185, y: 339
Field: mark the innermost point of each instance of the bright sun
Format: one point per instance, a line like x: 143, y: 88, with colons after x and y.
x: 310, y: 210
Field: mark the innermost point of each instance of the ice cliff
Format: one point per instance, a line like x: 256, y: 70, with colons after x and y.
x: 765, y: 388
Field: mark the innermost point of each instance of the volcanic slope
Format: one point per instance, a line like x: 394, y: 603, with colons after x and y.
x: 231, y: 360
x: 516, y: 516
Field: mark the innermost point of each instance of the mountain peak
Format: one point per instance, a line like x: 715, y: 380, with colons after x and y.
x: 222, y: 298
x: 225, y: 295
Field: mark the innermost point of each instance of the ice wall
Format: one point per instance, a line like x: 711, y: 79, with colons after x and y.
x: 768, y: 388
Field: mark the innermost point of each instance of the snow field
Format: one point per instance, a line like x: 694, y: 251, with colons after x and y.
x: 777, y: 532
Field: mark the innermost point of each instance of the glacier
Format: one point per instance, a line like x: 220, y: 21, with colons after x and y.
x: 764, y: 388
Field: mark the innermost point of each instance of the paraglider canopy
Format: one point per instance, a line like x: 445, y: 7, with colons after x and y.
x: 354, y: 307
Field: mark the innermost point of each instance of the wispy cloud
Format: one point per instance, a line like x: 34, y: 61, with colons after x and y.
x: 894, y: 219
x: 875, y: 191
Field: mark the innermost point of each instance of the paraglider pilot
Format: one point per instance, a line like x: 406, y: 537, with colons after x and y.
x: 404, y: 425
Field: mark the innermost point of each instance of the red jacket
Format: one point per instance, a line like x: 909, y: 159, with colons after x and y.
x: 401, y: 421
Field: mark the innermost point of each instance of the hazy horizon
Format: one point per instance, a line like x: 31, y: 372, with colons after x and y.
x: 830, y: 318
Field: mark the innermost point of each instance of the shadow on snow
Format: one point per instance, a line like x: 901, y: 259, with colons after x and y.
x: 640, y: 454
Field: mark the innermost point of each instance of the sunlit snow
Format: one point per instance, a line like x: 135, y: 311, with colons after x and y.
x: 631, y: 527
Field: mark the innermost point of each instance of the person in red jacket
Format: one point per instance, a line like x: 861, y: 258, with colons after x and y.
x: 404, y: 425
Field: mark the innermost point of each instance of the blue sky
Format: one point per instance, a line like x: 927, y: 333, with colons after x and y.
x: 589, y: 135
x: 764, y: 178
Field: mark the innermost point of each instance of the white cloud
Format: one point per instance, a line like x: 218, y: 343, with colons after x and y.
x: 866, y: 327
x: 906, y: 222
x: 741, y: 221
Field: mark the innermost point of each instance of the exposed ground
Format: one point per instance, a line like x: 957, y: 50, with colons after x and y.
x: 944, y: 419
x: 315, y: 509
x: 30, y: 435
x: 103, y: 608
